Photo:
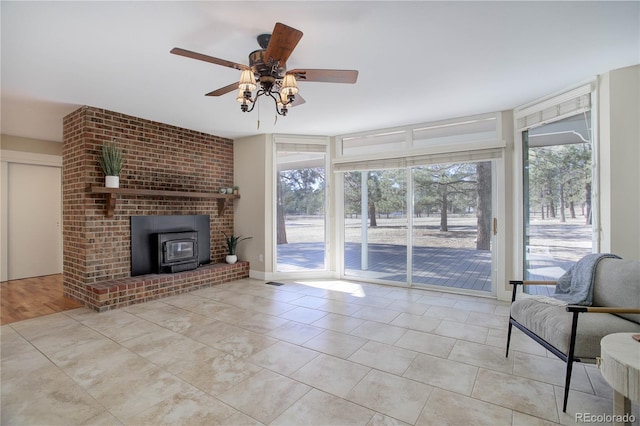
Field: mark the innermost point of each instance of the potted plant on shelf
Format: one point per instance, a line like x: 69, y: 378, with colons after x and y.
x: 232, y: 242
x: 111, y: 162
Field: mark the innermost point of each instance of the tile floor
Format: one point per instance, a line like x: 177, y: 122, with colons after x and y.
x: 319, y: 353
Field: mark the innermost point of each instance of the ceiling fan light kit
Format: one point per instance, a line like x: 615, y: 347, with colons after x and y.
x: 267, y: 67
x: 284, y: 99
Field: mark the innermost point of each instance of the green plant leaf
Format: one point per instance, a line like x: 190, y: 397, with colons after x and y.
x: 111, y: 160
x: 232, y: 242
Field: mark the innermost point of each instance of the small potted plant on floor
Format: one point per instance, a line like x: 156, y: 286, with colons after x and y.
x: 111, y: 162
x: 232, y: 242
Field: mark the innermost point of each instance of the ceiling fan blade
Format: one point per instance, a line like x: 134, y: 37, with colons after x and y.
x: 299, y: 100
x: 206, y: 58
x: 283, y: 40
x: 224, y: 90
x: 326, y: 76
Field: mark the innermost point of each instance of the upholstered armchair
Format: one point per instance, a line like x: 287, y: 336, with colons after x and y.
x: 573, y: 332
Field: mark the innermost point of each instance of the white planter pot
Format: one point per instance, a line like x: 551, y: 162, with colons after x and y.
x: 231, y: 259
x: 112, y: 181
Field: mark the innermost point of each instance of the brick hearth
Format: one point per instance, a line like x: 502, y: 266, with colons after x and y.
x: 107, y: 295
x: 96, y: 248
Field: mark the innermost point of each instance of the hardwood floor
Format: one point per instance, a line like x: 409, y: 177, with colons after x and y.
x: 32, y: 297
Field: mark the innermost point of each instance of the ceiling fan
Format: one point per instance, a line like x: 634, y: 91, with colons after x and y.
x: 268, y: 67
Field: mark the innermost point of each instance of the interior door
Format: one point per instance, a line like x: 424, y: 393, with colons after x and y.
x: 34, y: 219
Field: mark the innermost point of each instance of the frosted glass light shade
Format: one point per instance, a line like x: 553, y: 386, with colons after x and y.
x: 289, y: 86
x: 247, y: 81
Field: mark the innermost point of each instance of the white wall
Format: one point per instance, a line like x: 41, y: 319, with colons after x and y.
x: 253, y: 173
x: 619, y: 161
x: 16, y: 143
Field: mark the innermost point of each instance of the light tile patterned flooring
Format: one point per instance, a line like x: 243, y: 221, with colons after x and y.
x: 319, y: 353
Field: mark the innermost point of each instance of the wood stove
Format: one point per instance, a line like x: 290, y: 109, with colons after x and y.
x: 177, y: 251
x: 166, y: 244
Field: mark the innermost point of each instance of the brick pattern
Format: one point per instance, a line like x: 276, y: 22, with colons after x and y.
x: 107, y: 295
x: 156, y: 156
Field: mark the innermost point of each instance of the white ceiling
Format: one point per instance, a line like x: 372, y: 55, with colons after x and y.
x: 418, y: 61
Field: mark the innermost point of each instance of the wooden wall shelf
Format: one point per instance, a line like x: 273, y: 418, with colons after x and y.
x: 112, y: 196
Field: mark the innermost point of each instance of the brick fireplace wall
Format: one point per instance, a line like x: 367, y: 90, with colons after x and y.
x: 156, y: 157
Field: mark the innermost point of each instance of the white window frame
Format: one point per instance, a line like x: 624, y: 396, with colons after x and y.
x: 441, y: 151
x: 299, y: 140
x: 538, y: 113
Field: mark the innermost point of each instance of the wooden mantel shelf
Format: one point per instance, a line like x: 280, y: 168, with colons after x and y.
x: 112, y: 196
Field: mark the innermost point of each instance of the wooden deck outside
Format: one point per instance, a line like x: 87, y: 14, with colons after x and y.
x: 445, y: 267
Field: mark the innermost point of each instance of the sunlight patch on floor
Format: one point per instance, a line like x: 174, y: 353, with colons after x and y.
x: 353, y: 289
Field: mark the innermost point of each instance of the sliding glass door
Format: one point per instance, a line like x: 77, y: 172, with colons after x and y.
x: 420, y: 203
x: 375, y: 225
x: 452, y: 226
x: 430, y: 226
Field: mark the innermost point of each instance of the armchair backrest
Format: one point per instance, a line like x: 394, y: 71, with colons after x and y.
x: 617, y: 284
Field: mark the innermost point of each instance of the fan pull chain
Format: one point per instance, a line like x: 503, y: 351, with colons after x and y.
x: 258, y: 101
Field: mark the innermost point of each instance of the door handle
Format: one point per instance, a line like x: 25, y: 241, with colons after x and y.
x: 495, y: 226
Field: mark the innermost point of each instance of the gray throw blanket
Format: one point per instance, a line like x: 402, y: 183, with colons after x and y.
x: 575, y: 287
